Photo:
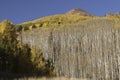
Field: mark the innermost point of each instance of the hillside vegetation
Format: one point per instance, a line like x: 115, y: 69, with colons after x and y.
x: 55, y: 20
x: 68, y: 46
x: 18, y: 59
x: 87, y: 47
x: 64, y: 20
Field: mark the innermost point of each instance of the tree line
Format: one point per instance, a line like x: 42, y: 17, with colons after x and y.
x: 19, y: 58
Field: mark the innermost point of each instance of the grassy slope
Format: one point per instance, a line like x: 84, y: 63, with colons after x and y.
x: 63, y: 20
x: 57, y: 20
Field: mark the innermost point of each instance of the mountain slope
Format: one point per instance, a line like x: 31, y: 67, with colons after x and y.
x: 73, y: 16
x: 78, y: 45
x: 89, y: 49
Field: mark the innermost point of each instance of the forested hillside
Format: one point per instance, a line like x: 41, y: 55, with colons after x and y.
x: 85, y: 48
x: 72, y: 45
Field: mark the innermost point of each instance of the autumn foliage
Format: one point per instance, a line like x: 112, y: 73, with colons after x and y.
x: 19, y: 58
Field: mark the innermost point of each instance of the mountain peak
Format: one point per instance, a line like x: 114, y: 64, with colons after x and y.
x: 79, y: 11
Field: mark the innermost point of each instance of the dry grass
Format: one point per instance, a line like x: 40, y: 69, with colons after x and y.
x: 60, y: 78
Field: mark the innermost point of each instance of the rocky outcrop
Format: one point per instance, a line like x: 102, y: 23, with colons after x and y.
x: 79, y: 11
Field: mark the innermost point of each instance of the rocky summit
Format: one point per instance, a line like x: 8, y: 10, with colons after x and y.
x: 79, y: 12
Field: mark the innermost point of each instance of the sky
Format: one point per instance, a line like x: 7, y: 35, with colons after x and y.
x: 18, y: 11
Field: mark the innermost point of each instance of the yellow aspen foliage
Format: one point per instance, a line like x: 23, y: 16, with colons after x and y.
x: 21, y: 58
x: 4, y: 24
x: 30, y: 27
x: 45, y: 24
x: 33, y: 54
x: 38, y: 25
x: 37, y: 57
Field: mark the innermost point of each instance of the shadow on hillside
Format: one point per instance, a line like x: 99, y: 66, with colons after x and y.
x: 12, y: 76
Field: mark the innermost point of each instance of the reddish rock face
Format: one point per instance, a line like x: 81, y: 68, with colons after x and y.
x: 79, y: 12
